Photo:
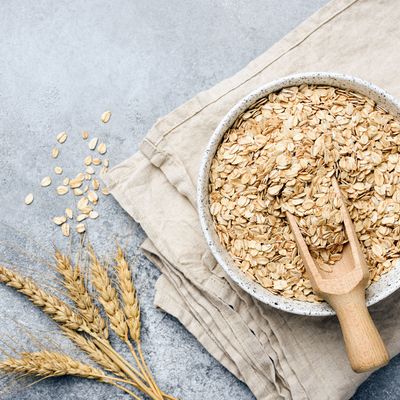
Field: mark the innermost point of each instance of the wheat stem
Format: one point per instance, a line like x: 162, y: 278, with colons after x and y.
x: 146, y: 367
x: 132, y: 350
x: 129, y: 370
x: 148, y: 379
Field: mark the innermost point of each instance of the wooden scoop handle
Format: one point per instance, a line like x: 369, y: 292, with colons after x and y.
x: 364, y: 345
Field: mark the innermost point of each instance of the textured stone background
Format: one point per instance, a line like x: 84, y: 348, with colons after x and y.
x: 62, y: 63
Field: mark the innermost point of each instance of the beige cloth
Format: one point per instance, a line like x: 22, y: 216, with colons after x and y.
x: 278, y: 355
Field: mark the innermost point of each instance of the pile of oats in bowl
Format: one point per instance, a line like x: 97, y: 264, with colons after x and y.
x: 280, y: 155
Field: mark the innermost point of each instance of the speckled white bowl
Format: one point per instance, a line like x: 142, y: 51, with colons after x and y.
x: 377, y: 291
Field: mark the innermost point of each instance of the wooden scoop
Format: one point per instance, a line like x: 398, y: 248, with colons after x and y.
x: 344, y: 290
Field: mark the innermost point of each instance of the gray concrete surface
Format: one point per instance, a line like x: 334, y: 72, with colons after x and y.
x: 62, y: 63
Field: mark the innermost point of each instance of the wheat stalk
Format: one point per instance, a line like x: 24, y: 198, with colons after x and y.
x: 93, y: 352
x: 51, y: 305
x: 49, y: 364
x: 103, y: 354
x: 132, y: 313
x: 75, y: 284
x: 108, y: 297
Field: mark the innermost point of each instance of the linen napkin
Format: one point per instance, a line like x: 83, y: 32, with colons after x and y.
x: 278, y: 355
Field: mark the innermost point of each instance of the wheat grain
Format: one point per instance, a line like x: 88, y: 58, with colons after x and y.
x: 108, y: 297
x: 128, y: 294
x: 75, y: 284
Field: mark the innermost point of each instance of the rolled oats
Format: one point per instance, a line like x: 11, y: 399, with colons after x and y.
x: 280, y: 156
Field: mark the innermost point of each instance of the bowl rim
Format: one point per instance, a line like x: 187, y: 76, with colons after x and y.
x: 388, y: 283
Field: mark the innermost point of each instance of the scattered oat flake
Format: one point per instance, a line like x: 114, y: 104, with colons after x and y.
x: 87, y: 160
x: 93, y: 214
x: 65, y: 181
x: 95, y: 184
x: 90, y: 170
x: 61, y: 190
x: 75, y: 183
x: 80, y: 176
x: 86, y: 210
x: 78, y: 192
x: 96, y: 161
x: 59, y: 220
x: 105, y: 191
x: 93, y: 143
x: 85, y: 135
x: 102, y: 148
x: 83, y: 202
x: 62, y: 137
x: 29, y: 199
x: 81, y: 217
x: 92, y: 196
x: 69, y: 213
x: 65, y: 229
x: 46, y: 181
x: 55, y: 152
x: 106, y: 163
x: 105, y: 117
x: 58, y: 170
x: 80, y: 228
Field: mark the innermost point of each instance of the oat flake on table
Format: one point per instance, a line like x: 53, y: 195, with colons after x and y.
x: 280, y: 155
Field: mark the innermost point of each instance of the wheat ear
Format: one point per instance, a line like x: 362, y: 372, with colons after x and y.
x: 75, y: 284
x: 51, y: 305
x: 49, y: 364
x: 108, y: 297
x: 128, y: 293
x: 46, y: 364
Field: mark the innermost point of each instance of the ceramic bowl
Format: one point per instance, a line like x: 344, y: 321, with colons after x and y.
x: 378, y: 290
